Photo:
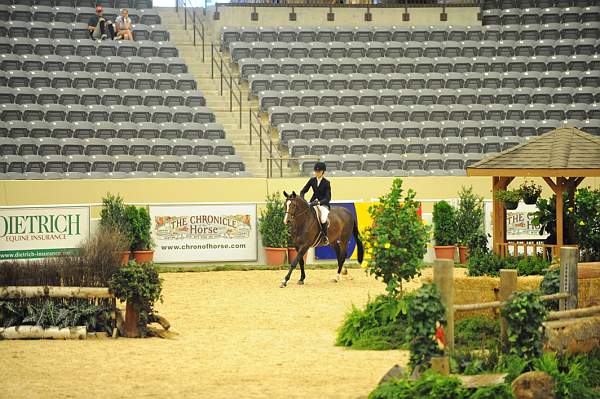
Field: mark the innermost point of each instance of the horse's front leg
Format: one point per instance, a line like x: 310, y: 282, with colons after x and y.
x: 301, y: 253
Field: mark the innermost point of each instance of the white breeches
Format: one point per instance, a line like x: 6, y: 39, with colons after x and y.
x: 324, y: 212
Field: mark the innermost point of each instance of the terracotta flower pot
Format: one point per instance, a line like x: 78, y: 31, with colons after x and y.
x: 463, y: 254
x: 275, y: 256
x: 124, y: 257
x: 143, y: 256
x: 292, y: 253
x: 444, y: 251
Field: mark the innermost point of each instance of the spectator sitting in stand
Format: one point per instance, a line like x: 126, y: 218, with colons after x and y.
x: 123, y: 25
x: 99, y: 27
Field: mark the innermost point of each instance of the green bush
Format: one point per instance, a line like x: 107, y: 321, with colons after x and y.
x: 508, y: 196
x: 587, y: 223
x: 524, y: 314
x: 113, y: 215
x: 397, y: 240
x: 489, y: 264
x: 429, y: 386
x: 380, y: 325
x: 500, y: 391
x: 476, y: 330
x: 274, y: 233
x: 139, y: 224
x: 444, y: 224
x: 47, y: 312
x: 569, y: 376
x: 425, y: 314
x: 469, y: 216
x: 141, y: 286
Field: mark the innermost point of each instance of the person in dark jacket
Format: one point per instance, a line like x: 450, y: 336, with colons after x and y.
x: 321, y: 196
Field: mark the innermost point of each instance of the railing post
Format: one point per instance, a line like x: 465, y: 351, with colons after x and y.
x: 221, y: 73
x: 194, y: 24
x: 443, y: 278
x: 202, y: 27
x: 184, y: 17
x: 240, y: 93
x: 508, y: 285
x: 260, y: 142
x: 230, y: 93
x: 568, y: 277
x: 250, y: 124
x: 212, y: 61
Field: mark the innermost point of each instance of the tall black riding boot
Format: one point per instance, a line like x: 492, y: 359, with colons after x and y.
x: 324, y: 230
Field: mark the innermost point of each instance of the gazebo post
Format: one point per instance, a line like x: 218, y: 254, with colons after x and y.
x: 560, y: 186
x: 499, y: 213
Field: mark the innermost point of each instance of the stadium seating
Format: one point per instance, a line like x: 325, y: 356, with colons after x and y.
x: 77, y: 108
x: 424, y: 100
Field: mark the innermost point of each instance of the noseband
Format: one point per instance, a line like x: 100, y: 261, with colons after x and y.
x: 291, y: 217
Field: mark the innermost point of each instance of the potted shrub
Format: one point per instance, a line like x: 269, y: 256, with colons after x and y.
x: 444, y: 230
x: 139, y: 232
x: 141, y: 286
x: 469, y: 220
x: 510, y: 198
x: 113, y: 217
x: 530, y: 192
x: 273, y: 231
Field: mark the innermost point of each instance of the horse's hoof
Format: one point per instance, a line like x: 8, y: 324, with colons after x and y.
x: 344, y: 271
x: 282, y: 285
x: 334, y: 280
x: 300, y: 282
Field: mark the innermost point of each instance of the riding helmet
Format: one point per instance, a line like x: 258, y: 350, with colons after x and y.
x: 320, y: 166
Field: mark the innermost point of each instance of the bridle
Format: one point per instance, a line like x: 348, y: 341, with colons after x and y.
x: 291, y: 217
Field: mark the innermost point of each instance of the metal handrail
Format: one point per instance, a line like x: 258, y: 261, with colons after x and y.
x: 226, y: 78
x: 197, y: 25
x: 256, y: 127
x: 270, y: 161
x: 363, y: 4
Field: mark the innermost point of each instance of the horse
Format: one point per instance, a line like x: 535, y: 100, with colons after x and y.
x: 306, y: 233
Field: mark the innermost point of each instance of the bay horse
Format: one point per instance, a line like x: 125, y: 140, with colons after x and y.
x: 306, y: 233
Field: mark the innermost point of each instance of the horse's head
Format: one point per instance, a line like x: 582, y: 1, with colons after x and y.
x: 294, y: 206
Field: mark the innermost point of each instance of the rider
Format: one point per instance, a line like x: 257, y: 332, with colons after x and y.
x: 321, y: 194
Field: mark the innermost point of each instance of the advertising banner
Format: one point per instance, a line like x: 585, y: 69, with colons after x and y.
x: 27, y: 233
x: 360, y: 212
x: 204, y: 233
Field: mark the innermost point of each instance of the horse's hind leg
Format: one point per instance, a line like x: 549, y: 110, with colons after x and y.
x: 340, y: 251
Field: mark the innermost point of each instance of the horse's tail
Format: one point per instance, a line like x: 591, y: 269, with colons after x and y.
x: 359, y: 244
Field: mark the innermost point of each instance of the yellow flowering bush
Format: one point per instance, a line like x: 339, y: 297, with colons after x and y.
x: 398, y: 238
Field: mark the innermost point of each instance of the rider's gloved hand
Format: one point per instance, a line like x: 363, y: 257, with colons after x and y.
x: 314, y: 203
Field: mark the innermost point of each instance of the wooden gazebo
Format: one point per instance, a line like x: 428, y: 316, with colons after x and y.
x: 562, y: 157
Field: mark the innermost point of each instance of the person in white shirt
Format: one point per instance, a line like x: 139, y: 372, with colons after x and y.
x: 123, y: 25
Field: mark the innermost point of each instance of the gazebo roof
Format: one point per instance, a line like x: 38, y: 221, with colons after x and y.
x: 566, y: 152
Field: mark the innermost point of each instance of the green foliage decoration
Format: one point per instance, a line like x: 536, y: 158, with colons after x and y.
x: 380, y: 325
x: 141, y: 285
x: 273, y: 231
x: 524, y: 314
x: 587, y: 223
x: 425, y: 313
x: 469, y: 216
x: 139, y: 223
x: 444, y: 224
x: 397, y: 240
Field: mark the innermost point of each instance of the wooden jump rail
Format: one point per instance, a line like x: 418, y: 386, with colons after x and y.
x: 15, y: 292
x: 443, y: 278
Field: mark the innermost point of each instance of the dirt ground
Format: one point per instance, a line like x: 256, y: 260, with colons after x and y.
x: 239, y: 336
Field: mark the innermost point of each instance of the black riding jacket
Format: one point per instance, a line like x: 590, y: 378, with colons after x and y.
x: 321, y: 192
